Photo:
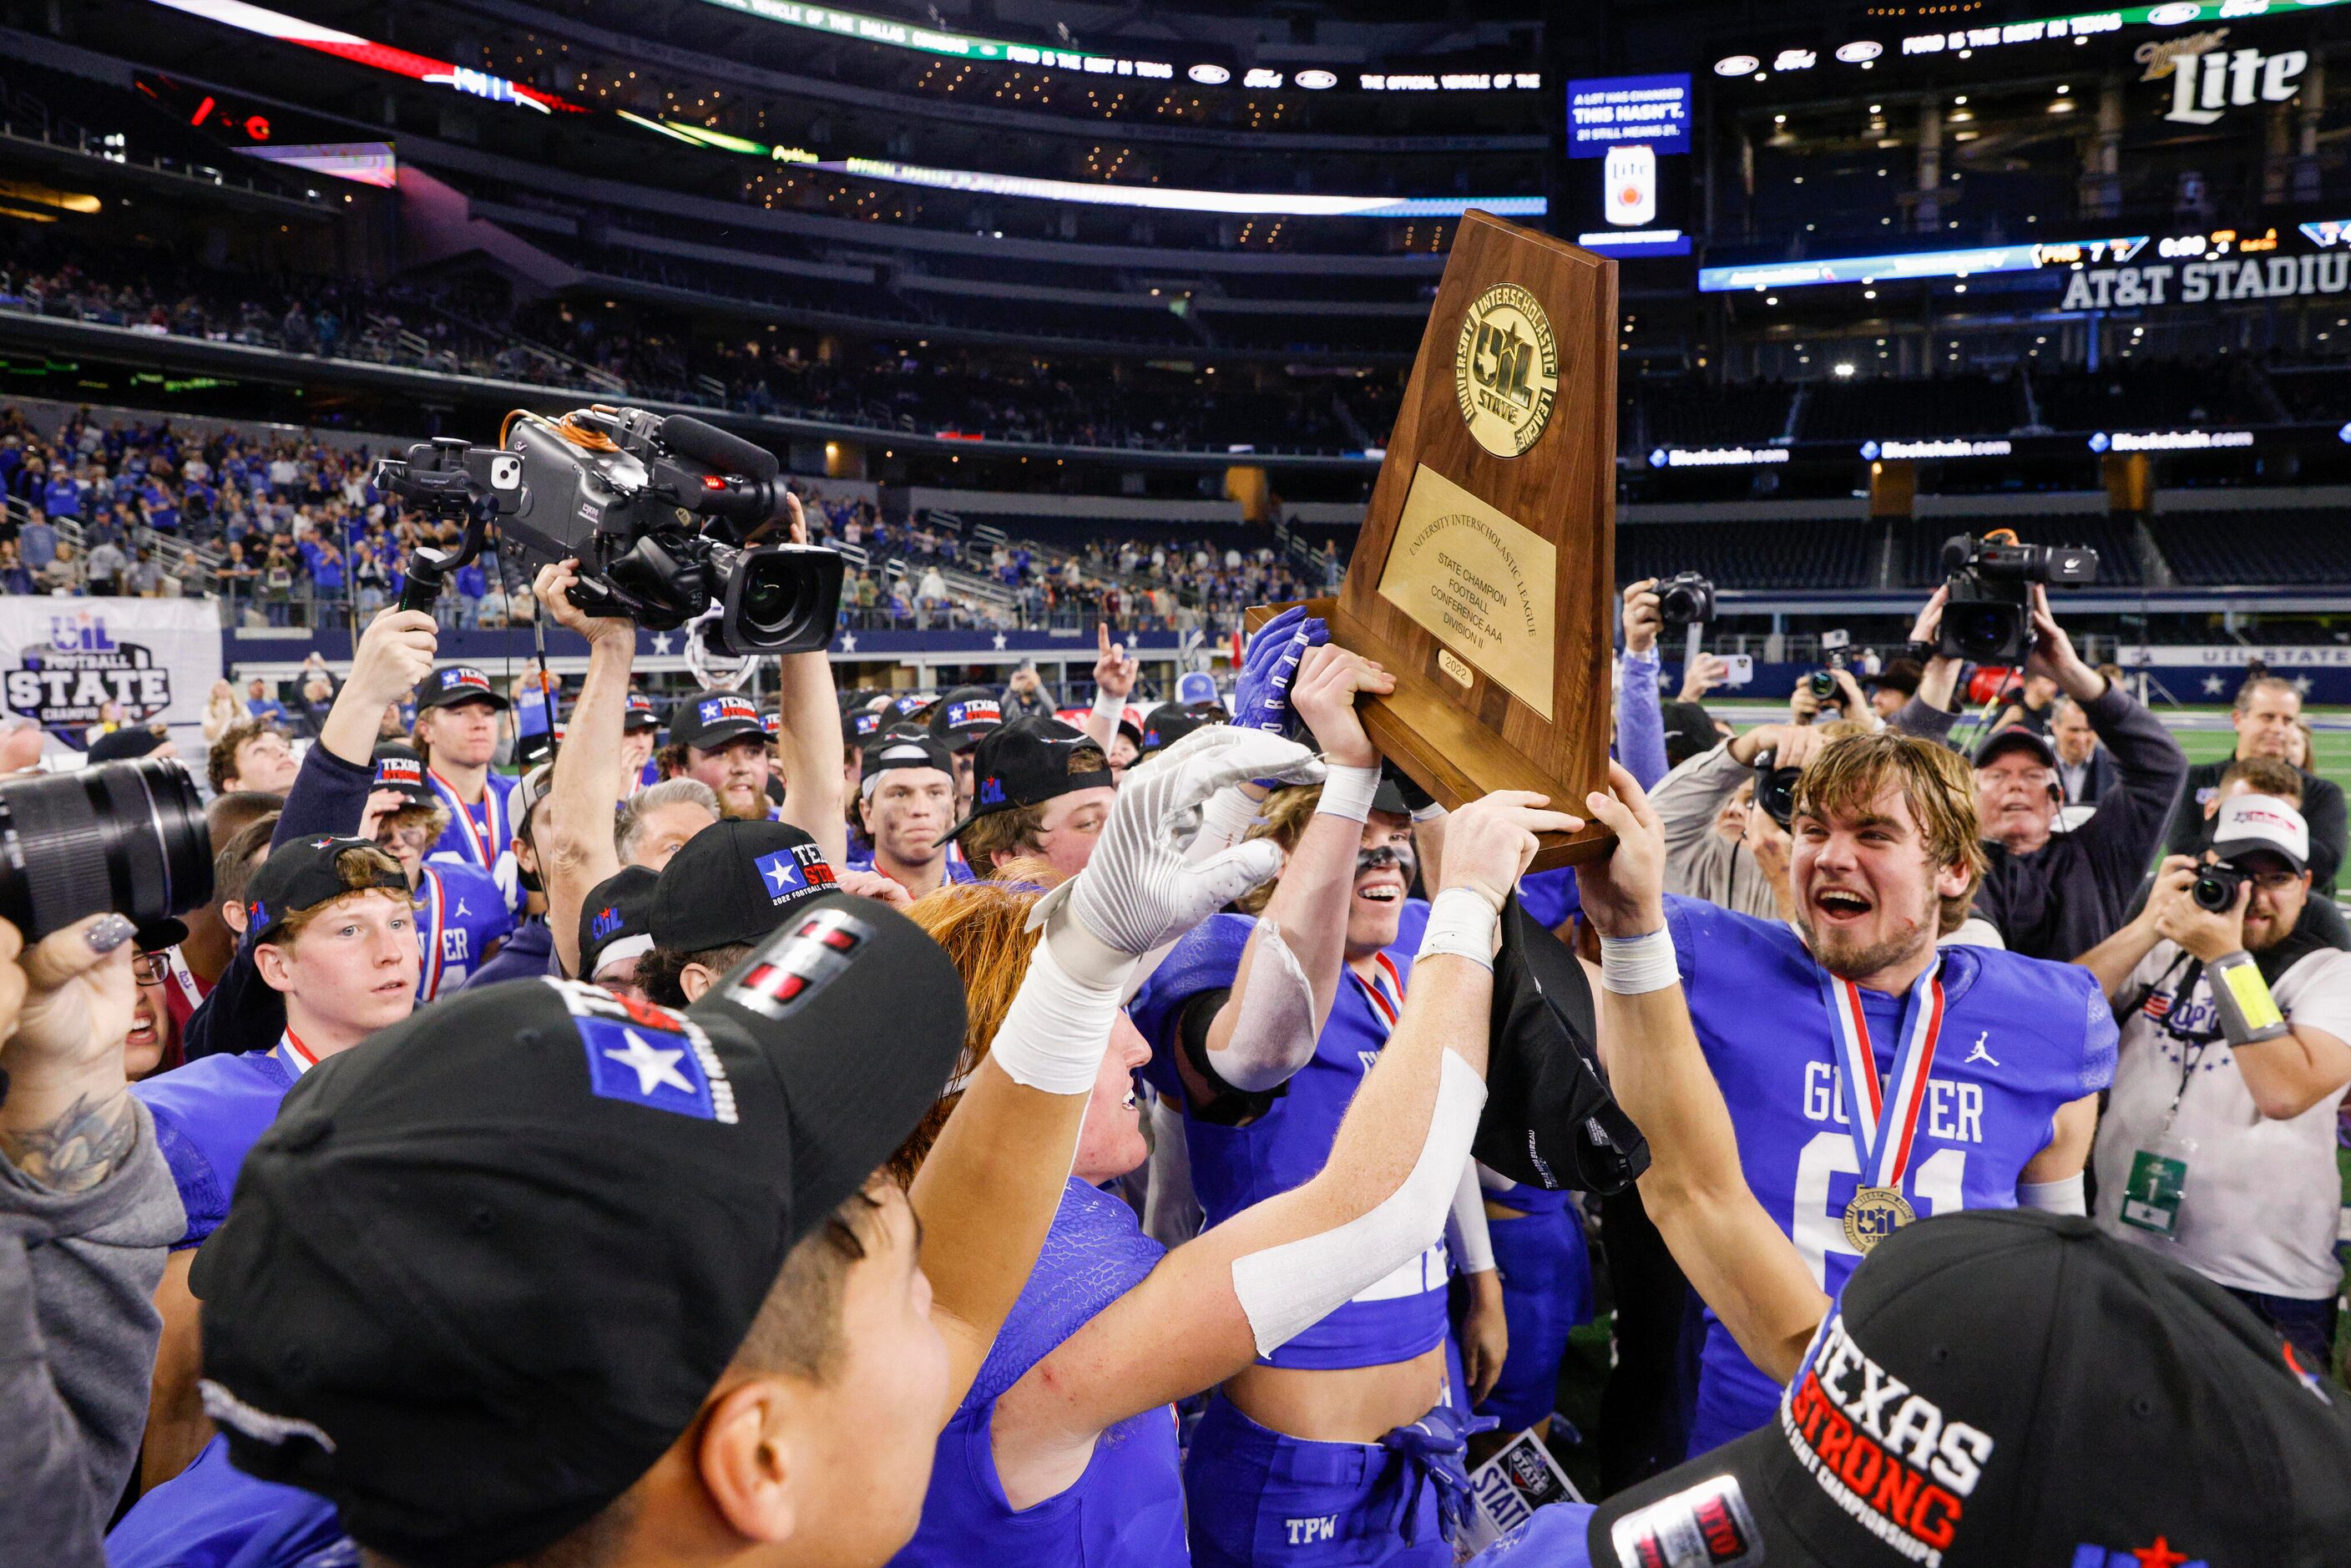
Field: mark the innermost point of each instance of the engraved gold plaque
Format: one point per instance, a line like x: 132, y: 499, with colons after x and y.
x: 1506, y: 369
x: 1480, y: 583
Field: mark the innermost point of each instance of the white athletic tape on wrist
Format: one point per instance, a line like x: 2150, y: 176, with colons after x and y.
x: 1274, y: 1031
x: 2066, y: 1197
x: 1284, y: 1291
x: 1635, y: 966
x: 1055, y: 1031
x: 1462, y: 923
x: 1347, y: 793
x: 1225, y: 821
x: 1466, y: 1234
x: 1108, y: 706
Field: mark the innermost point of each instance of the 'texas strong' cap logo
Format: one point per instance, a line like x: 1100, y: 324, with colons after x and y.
x: 1506, y: 369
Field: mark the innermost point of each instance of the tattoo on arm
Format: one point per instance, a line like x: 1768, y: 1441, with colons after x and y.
x: 78, y: 1149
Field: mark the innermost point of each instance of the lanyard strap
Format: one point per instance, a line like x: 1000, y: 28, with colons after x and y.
x: 483, y: 855
x: 436, y: 904
x: 1384, y: 991
x: 183, y: 978
x: 298, y: 1058
x: 1885, y: 1122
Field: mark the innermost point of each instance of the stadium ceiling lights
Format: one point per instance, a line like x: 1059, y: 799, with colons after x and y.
x: 2079, y: 28
x: 383, y: 57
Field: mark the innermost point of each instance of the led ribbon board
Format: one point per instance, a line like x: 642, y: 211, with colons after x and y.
x: 363, y: 51
x: 1894, y: 268
x: 1603, y: 112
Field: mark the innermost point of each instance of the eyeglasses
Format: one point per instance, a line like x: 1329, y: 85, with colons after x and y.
x: 2275, y: 880
x: 415, y: 837
x: 149, y: 968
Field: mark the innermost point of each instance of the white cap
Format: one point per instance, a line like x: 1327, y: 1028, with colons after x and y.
x: 2251, y: 822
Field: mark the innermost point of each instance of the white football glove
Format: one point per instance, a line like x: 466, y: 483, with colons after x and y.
x: 1138, y: 892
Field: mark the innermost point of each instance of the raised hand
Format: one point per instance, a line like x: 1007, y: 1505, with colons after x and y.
x: 1138, y: 892
x: 1490, y: 841
x: 1115, y: 672
x: 1323, y: 692
x: 1625, y: 894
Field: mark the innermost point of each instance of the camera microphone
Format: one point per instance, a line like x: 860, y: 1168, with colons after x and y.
x: 716, y: 448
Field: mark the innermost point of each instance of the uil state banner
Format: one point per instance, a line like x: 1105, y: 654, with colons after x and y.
x: 62, y: 659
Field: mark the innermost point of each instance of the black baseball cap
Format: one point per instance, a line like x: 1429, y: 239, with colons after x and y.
x: 1899, y: 676
x: 131, y: 740
x: 711, y: 719
x: 734, y: 881
x: 965, y: 715
x: 860, y: 726
x: 454, y: 683
x: 914, y: 708
x: 301, y: 875
x: 1169, y: 723
x: 903, y: 745
x: 1028, y: 762
x: 616, y: 919
x: 2013, y: 736
x: 2006, y: 1386
x: 480, y: 1274
x: 401, y: 767
x: 641, y: 715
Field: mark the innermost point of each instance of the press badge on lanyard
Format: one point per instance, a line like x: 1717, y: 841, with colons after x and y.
x: 2157, y: 1183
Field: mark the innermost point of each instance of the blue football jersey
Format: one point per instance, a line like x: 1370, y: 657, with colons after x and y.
x: 1402, y: 1316
x: 2020, y: 1039
x: 208, y: 1116
x: 460, y: 914
x: 481, y: 834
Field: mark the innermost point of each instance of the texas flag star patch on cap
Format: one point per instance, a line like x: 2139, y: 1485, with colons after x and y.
x: 717, y: 710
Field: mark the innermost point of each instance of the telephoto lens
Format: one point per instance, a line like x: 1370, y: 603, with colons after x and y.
x: 1775, y: 789
x: 129, y: 837
x: 1822, y: 685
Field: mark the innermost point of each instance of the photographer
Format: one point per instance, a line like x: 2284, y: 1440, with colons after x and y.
x: 2052, y: 894
x: 2218, y: 1148
x: 2265, y: 717
x: 1716, y: 850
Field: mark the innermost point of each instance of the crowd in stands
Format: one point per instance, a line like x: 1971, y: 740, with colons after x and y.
x: 295, y: 533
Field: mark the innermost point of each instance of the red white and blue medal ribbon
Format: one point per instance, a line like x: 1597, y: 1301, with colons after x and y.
x: 1384, y: 991
x: 486, y: 854
x: 1883, y: 1121
x: 428, y: 936
x: 298, y: 1058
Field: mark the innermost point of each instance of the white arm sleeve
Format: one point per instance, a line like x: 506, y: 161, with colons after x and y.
x: 1286, y: 1289
x: 1273, y: 1034
x: 2065, y: 1197
x: 1465, y: 1232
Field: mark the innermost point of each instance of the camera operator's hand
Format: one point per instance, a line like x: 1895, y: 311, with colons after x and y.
x: 1938, y: 676
x: 1643, y: 618
x: 1625, y: 894
x: 1324, y: 694
x: 1705, y: 673
x: 2052, y: 656
x: 1489, y: 841
x: 2172, y: 880
x: 394, y: 653
x: 1803, y: 707
x: 552, y: 587
x: 1790, y: 745
x: 2198, y: 929
x: 67, y: 1119
x: 796, y: 530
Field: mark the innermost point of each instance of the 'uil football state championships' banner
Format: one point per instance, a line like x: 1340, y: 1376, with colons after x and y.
x: 62, y: 659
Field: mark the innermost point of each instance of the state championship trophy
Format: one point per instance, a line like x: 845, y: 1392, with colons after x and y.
x: 1484, y: 575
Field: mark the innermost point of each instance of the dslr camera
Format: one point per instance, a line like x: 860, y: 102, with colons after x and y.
x: 125, y: 836
x: 2215, y: 887
x: 1775, y: 788
x: 662, y: 514
x: 1686, y: 598
x: 1989, y: 616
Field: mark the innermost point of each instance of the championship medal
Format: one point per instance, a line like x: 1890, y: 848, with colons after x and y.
x: 1885, y: 1122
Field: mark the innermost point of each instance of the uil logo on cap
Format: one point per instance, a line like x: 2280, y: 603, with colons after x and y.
x: 716, y: 709
x: 990, y: 792
x: 979, y: 711
x: 800, y: 963
x: 256, y: 917
x: 607, y: 922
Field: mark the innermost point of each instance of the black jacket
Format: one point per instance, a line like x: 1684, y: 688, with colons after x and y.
x: 2322, y: 807
x: 2069, y: 895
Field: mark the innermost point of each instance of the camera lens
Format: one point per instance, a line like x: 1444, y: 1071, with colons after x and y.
x: 1986, y: 632
x: 1821, y: 685
x: 778, y: 599
x: 2215, y: 888
x: 125, y: 836
x: 766, y: 596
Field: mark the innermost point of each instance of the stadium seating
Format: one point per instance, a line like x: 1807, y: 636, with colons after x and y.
x: 1870, y: 408
x: 2236, y: 549
x: 1753, y: 555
